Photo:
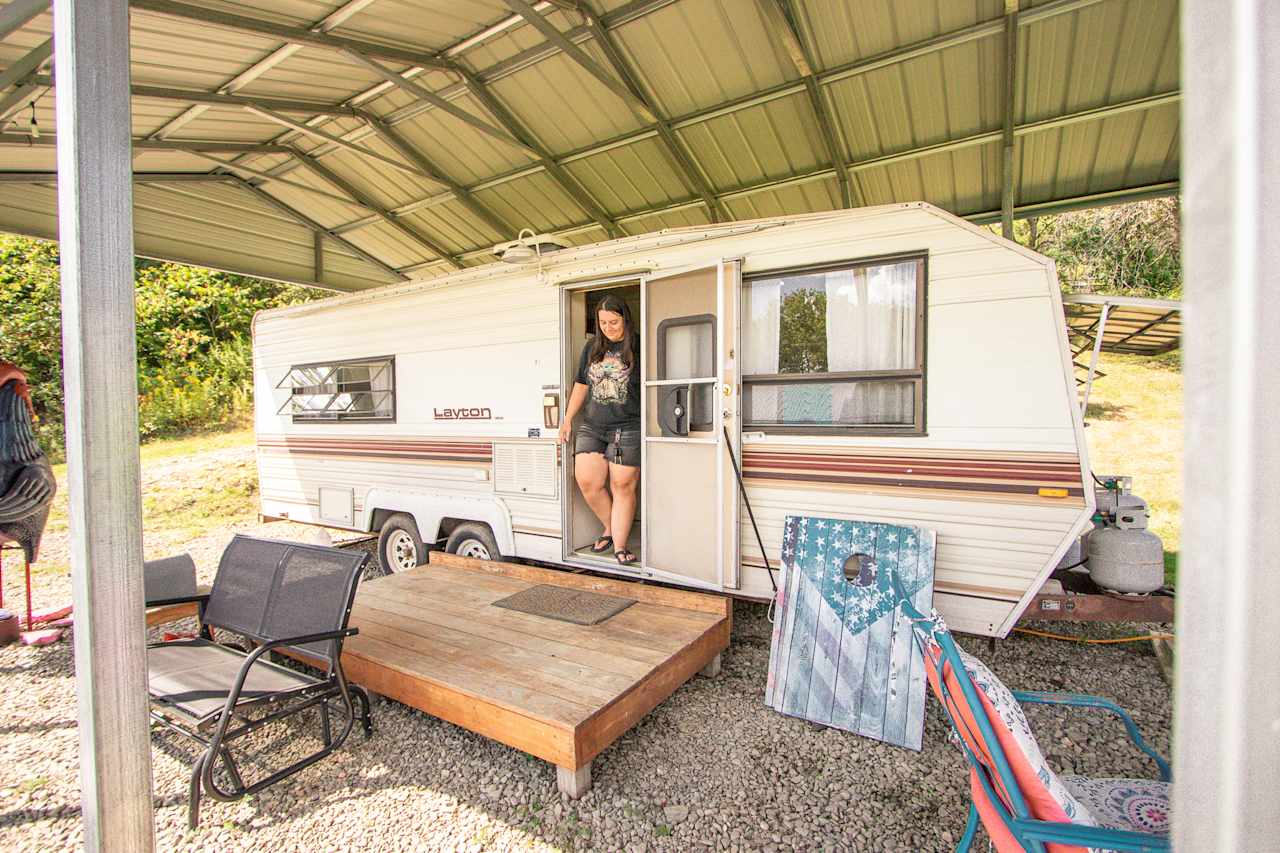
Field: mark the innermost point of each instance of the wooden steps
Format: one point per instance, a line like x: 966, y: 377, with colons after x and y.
x: 429, y: 638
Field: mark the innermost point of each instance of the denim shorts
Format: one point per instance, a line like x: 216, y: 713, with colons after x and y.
x: 620, y: 445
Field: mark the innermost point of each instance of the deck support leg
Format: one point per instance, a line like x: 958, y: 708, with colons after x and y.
x: 712, y: 669
x: 574, y: 783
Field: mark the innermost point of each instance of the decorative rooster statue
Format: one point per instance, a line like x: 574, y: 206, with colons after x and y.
x: 26, y: 479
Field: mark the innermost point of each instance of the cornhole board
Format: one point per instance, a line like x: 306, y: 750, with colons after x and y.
x: 842, y: 652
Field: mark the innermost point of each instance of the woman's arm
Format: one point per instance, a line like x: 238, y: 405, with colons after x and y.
x: 576, y: 398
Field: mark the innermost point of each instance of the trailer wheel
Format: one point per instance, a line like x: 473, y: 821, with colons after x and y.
x: 473, y: 539
x: 400, y: 548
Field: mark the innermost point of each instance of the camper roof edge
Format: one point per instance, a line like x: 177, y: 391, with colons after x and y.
x: 582, y: 254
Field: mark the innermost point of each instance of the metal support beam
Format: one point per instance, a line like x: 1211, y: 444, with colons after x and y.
x: 49, y: 140
x: 231, y: 167
x: 317, y: 257
x: 15, y: 15
x: 28, y: 64
x: 1007, y: 194
x: 783, y: 14
x: 301, y: 127
x: 424, y: 94
x: 302, y: 219
x: 222, y: 99
x: 361, y: 198
x: 95, y: 226
x: 15, y: 100
x: 286, y: 32
x: 138, y: 178
x: 1226, y: 725
x: 561, y: 177
x: 692, y: 173
x: 580, y: 56
x: 1093, y: 359
x: 402, y: 146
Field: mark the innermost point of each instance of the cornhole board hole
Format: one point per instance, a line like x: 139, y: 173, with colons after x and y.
x: 842, y: 652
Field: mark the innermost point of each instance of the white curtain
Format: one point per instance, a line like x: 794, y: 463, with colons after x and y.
x: 763, y: 314
x: 871, y: 325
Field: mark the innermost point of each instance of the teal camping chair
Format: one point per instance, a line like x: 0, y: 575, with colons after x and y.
x: 1023, y: 804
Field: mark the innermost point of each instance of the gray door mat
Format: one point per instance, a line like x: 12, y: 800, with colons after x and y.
x: 567, y: 605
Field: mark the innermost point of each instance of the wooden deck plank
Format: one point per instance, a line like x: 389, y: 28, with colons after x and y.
x: 528, y: 734
x: 501, y: 587
x: 450, y: 622
x: 488, y: 659
x: 685, y: 600
x: 647, y: 629
x: 612, y: 721
x: 497, y: 691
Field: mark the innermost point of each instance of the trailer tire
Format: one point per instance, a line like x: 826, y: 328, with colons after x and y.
x: 400, y: 546
x: 473, y: 539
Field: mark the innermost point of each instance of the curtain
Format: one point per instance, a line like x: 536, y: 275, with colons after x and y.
x: 871, y: 325
x: 761, y: 333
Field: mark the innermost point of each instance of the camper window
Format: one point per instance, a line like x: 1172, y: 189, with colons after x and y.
x: 837, y: 348
x: 358, y: 389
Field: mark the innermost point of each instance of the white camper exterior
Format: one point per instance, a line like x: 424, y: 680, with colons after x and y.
x: 463, y: 378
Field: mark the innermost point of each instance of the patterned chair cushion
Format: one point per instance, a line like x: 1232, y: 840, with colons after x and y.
x: 1027, y: 751
x: 1137, y: 805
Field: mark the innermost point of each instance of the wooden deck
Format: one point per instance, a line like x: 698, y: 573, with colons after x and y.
x: 430, y: 638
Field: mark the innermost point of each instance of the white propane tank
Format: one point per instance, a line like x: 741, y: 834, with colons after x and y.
x: 1126, y: 558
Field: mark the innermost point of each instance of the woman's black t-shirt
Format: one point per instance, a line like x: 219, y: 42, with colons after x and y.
x: 613, y: 398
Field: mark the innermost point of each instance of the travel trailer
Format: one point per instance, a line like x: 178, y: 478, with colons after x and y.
x: 891, y: 364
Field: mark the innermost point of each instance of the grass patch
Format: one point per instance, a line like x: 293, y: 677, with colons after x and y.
x: 1135, y: 428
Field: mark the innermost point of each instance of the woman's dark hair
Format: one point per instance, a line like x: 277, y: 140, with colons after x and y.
x: 600, y: 344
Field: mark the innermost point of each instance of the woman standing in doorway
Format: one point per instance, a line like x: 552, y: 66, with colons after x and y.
x: 607, y: 451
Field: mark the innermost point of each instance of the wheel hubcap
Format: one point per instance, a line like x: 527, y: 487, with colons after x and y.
x: 402, y: 554
x: 474, y: 548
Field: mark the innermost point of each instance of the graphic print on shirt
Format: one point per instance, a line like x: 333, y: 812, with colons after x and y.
x: 609, y: 377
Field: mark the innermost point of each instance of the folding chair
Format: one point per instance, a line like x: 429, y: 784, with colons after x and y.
x: 280, y: 596
x: 1021, y: 802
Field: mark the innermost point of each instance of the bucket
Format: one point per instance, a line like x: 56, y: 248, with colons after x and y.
x: 8, y: 627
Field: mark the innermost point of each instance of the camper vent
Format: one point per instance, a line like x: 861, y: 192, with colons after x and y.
x: 525, y: 469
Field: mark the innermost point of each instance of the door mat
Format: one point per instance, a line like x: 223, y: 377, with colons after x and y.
x: 567, y: 605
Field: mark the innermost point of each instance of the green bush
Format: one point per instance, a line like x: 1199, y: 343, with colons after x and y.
x: 195, y: 360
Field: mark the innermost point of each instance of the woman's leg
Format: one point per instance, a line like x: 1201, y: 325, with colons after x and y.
x: 591, y: 470
x: 623, y: 480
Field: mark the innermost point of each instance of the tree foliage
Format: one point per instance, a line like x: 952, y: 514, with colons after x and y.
x: 195, y: 366
x: 1128, y: 249
x: 803, y: 332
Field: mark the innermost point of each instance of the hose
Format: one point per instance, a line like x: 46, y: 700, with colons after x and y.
x: 1154, y: 635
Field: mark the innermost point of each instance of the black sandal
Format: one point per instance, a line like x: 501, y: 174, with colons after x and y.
x: 625, y: 557
x: 603, y: 545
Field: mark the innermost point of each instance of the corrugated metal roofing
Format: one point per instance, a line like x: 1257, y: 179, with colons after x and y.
x: 499, y: 126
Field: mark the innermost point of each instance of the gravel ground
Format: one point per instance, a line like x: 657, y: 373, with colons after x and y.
x: 711, y: 768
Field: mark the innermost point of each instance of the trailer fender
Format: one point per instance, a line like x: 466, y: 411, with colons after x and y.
x: 429, y: 508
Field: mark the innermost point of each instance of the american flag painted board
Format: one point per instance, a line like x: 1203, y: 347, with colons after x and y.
x: 842, y: 652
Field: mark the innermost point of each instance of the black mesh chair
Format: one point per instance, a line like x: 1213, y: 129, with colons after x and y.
x: 280, y: 596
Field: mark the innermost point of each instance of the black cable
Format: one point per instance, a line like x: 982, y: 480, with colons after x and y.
x: 728, y: 442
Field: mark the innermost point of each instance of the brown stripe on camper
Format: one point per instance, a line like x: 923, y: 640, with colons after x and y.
x: 1000, y: 476
x: 368, y: 447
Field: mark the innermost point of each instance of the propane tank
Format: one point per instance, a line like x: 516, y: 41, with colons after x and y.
x: 1124, y: 556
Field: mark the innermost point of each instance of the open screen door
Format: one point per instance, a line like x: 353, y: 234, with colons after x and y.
x: 690, y: 527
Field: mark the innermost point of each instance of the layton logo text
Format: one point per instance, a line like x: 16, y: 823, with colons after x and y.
x: 463, y: 414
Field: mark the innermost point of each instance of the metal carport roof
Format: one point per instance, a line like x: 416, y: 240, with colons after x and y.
x: 359, y: 143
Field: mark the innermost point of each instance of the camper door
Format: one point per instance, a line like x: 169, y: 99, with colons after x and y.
x: 690, y: 415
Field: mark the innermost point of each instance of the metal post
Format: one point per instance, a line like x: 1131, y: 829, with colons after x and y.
x: 1007, y: 200
x: 95, y: 223
x: 1227, y: 709
x: 1093, y: 359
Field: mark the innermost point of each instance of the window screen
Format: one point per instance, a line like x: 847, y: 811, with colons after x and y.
x: 358, y: 389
